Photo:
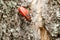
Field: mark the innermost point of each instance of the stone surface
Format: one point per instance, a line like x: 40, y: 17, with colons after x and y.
x: 14, y: 27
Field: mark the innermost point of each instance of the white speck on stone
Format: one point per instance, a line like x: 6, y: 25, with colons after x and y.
x: 29, y: 0
x: 58, y: 14
x: 0, y: 11
x: 18, y: 29
x: 12, y: 30
x: 4, y: 16
x: 14, y: 3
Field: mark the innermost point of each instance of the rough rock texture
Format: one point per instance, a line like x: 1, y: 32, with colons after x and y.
x: 14, y: 27
x: 52, y: 18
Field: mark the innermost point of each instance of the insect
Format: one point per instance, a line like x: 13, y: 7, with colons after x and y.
x: 24, y: 12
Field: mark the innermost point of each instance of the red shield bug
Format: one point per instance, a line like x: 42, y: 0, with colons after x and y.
x: 24, y: 12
